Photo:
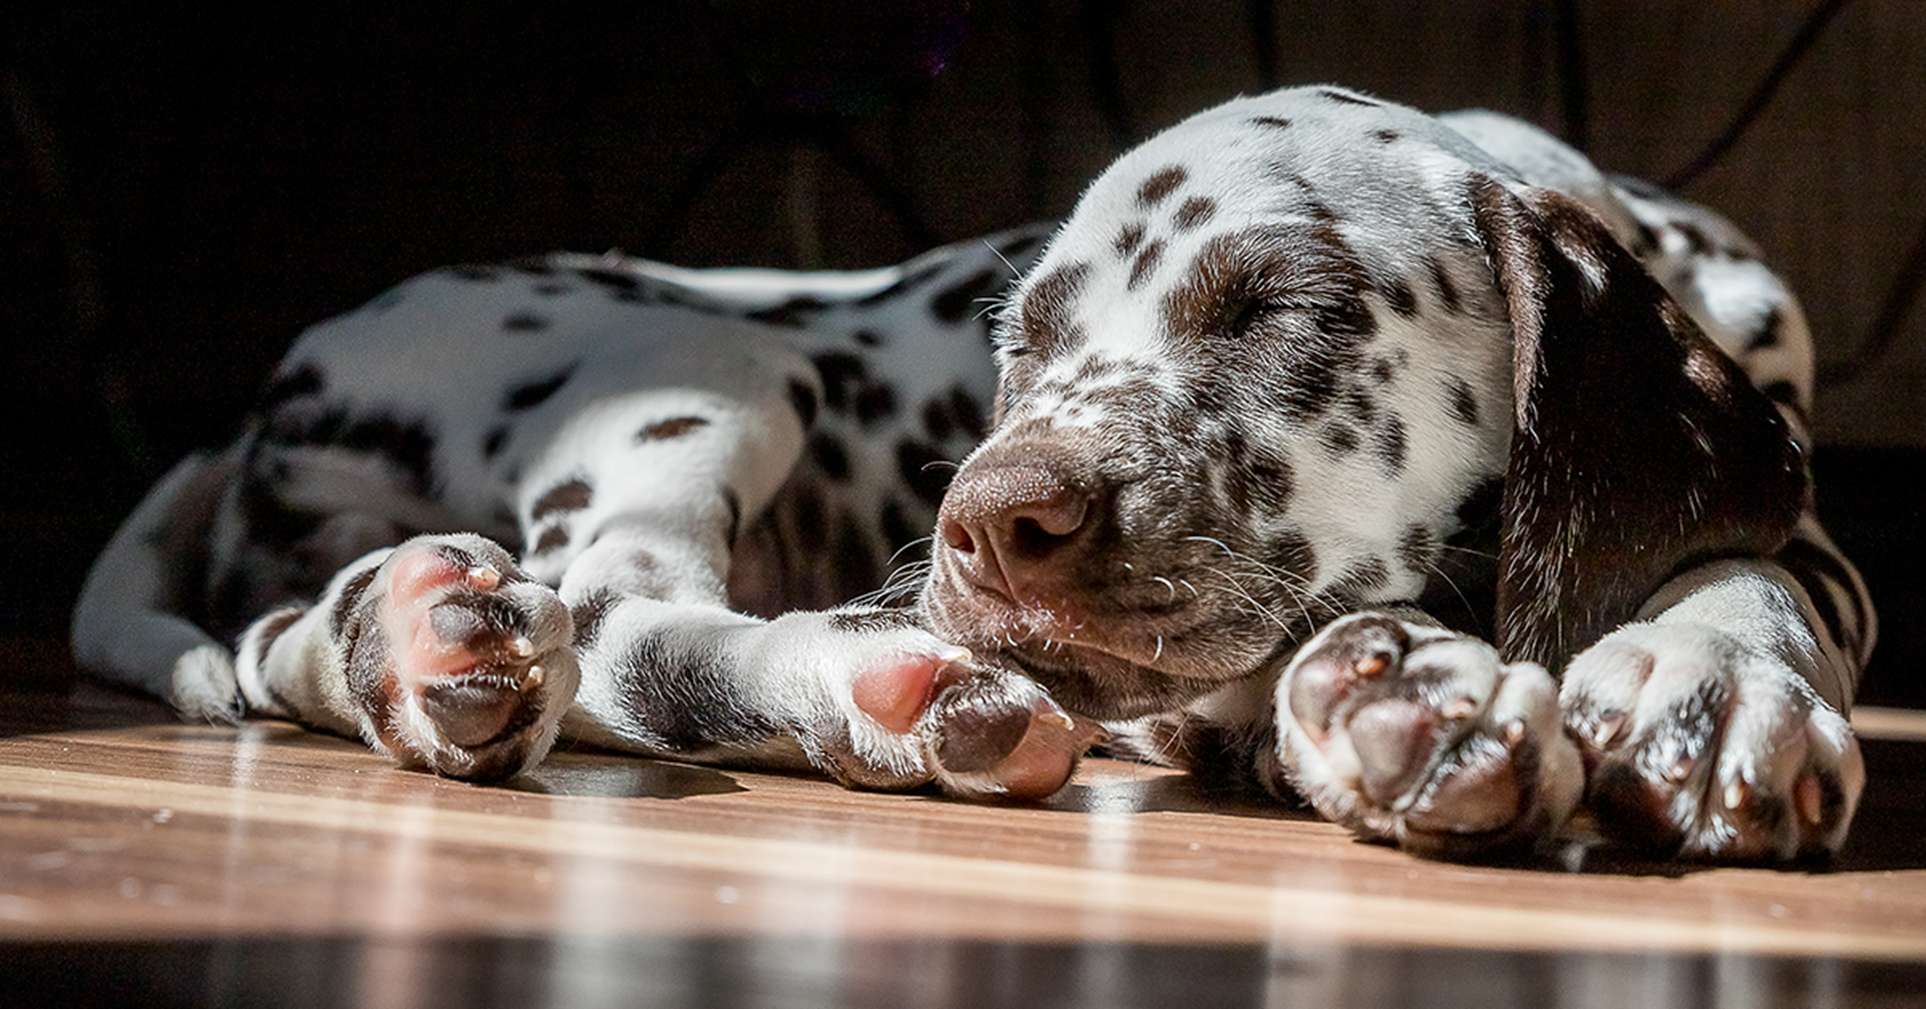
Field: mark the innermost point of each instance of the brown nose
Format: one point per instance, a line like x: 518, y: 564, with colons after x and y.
x: 1014, y: 530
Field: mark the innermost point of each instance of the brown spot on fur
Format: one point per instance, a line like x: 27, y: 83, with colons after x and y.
x: 1129, y: 238
x: 574, y: 495
x: 1160, y: 185
x: 552, y: 538
x: 674, y: 427
x: 1048, y: 314
x: 1289, y: 265
x: 1194, y: 212
x: 1145, y: 265
x: 272, y: 627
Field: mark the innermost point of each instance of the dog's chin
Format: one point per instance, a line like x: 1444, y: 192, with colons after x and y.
x: 1114, y: 667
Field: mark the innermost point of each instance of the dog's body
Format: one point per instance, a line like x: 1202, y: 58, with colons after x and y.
x: 1310, y: 398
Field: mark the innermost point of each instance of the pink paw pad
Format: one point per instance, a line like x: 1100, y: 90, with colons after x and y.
x: 436, y: 635
x: 897, y: 690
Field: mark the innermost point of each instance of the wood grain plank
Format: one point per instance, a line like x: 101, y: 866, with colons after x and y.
x: 159, y: 830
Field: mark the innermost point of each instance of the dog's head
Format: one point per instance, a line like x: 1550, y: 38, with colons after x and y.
x: 1270, y: 361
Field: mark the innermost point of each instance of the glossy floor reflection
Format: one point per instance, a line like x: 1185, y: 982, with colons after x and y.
x: 147, y: 862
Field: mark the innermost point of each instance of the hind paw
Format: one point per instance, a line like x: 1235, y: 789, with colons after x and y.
x: 458, y: 661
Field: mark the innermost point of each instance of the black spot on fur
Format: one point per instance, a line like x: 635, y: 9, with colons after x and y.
x: 534, y: 393
x: 1129, y: 238
x: 588, y: 616
x: 1769, y: 333
x: 1367, y: 575
x: 1362, y: 406
x: 1339, y: 439
x: 958, y: 302
x: 350, y: 600
x: 1385, y: 136
x: 829, y: 455
x: 1417, y: 548
x: 407, y: 444
x: 304, y: 380
x: 552, y: 289
x: 923, y: 470
x: 674, y: 427
x: 1464, y: 402
x: 1160, y: 185
x: 1442, y: 283
x: 1389, y: 441
x: 272, y: 627
x: 867, y: 337
x: 1383, y: 370
x: 802, y: 399
x: 683, y: 711
x: 1292, y: 553
x: 1398, y: 295
x: 794, y: 312
x: 843, y: 375
x: 493, y: 442
x: 568, y: 496
x: 1259, y: 479
x: 875, y: 402
x: 937, y: 420
x: 524, y: 322
x: 1271, y: 122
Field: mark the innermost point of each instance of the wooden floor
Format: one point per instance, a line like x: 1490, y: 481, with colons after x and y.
x: 146, y: 862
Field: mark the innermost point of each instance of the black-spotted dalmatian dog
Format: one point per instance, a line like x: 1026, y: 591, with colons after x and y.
x: 1322, y: 430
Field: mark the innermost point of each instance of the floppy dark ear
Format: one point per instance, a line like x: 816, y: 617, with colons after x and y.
x: 1638, y: 448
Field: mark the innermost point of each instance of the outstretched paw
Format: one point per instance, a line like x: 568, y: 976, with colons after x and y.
x: 1697, y: 745
x: 459, y: 662
x: 1424, y: 737
x: 909, y: 708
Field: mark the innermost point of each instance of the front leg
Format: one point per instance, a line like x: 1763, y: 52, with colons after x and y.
x: 1716, y: 728
x: 864, y: 695
x: 1423, y: 737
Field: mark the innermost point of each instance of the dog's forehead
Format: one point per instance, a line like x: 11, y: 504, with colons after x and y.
x: 1383, y: 181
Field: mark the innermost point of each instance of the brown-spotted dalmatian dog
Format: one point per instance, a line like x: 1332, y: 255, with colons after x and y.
x: 1406, y: 462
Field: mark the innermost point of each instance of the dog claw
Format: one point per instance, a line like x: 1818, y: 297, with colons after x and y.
x: 484, y: 578
x: 1736, y: 794
x: 1679, y: 770
x: 533, y: 678
x: 1607, y: 730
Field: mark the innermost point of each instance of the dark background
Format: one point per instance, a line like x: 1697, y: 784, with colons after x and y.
x: 181, y: 190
